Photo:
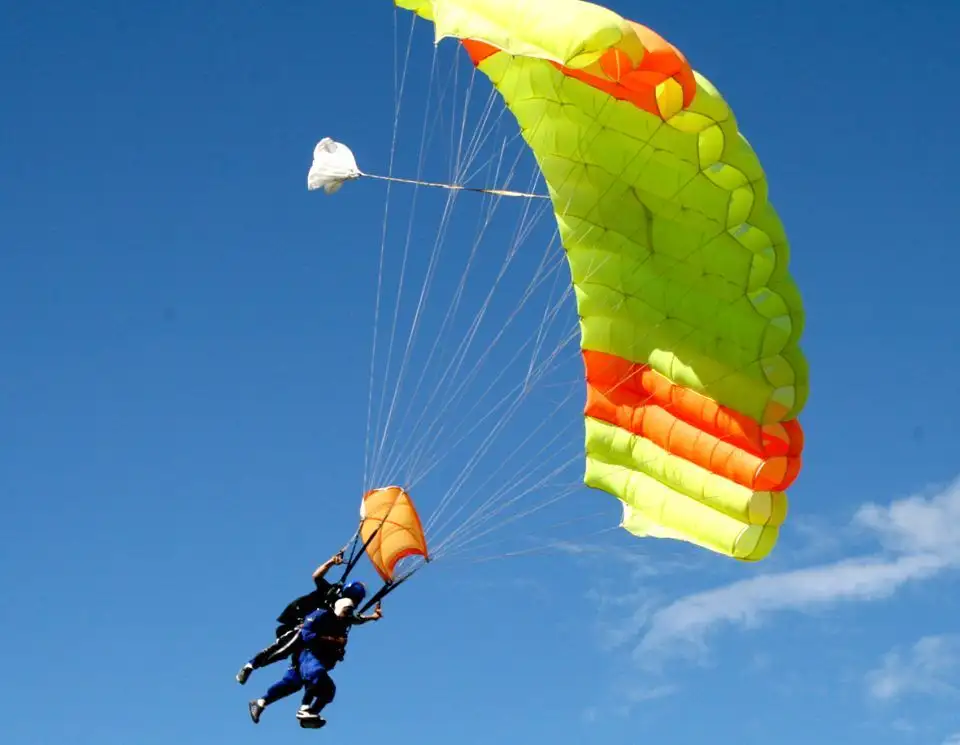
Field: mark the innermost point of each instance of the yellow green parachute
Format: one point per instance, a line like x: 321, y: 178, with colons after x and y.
x: 689, y: 319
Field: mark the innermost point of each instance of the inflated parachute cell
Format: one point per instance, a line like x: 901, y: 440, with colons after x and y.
x: 689, y: 320
x: 388, y: 514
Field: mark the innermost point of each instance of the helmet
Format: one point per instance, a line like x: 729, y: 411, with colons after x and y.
x: 355, y: 591
x: 343, y: 606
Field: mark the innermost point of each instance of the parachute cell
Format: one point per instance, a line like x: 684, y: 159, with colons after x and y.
x: 689, y: 320
x: 390, y: 529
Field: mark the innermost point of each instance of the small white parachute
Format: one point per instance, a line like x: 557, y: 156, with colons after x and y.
x: 333, y: 164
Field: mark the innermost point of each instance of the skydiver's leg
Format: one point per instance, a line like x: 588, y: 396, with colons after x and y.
x: 324, y: 690
x: 289, y: 684
x: 304, y: 710
x: 321, y: 689
x: 268, y: 655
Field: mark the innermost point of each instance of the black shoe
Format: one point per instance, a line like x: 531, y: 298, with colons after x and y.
x: 256, y: 709
x: 309, y: 720
x: 244, y: 673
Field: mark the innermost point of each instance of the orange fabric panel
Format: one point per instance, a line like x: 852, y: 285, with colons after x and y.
x: 690, y: 425
x: 400, y: 532
x: 637, y: 85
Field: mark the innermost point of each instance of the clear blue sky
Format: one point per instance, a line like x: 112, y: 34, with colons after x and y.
x: 186, y: 340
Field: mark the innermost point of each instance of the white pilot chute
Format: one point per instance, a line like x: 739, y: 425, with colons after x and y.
x: 334, y: 164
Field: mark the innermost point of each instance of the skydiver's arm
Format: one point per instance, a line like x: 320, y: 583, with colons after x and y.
x: 375, y: 616
x: 325, y: 566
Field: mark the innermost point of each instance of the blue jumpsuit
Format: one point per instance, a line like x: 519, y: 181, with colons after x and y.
x: 313, y: 660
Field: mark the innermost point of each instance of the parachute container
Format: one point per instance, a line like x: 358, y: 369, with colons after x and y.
x: 690, y: 322
x: 390, y: 517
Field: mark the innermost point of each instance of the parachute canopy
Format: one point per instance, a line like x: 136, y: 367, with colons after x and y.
x: 390, y: 529
x: 689, y: 319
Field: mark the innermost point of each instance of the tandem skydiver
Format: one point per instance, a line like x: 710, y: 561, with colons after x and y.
x: 321, y: 644
x: 322, y: 597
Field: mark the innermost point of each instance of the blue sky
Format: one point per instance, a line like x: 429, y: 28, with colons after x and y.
x: 187, y: 338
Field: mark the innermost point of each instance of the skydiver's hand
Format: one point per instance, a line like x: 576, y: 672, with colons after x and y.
x: 377, y: 613
x: 338, y: 559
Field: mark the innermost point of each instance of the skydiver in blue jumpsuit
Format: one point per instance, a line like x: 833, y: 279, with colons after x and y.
x: 323, y: 596
x: 321, y: 645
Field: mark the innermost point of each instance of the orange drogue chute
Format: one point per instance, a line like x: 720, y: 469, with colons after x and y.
x: 390, y: 529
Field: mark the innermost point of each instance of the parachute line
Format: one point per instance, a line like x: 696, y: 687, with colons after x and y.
x: 457, y: 187
x: 433, y: 423
x: 460, y: 356
x: 454, y: 397
x: 398, y: 86
x: 438, y: 242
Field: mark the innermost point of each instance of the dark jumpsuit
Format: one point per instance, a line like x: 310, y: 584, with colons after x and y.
x: 288, y: 621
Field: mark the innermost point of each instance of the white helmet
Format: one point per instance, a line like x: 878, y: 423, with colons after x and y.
x: 343, y: 607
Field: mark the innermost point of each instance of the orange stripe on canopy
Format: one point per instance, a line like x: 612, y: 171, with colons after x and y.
x: 400, y: 533
x: 624, y: 81
x: 685, y: 423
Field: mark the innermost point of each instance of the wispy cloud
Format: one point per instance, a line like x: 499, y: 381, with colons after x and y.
x: 627, y: 698
x: 900, y: 724
x: 919, y: 539
x: 953, y: 739
x: 682, y: 626
x: 638, y: 695
x: 930, y: 667
x: 640, y: 565
x: 918, y: 525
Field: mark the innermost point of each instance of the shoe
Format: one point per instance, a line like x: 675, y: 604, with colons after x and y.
x: 309, y: 720
x: 256, y: 709
x: 313, y: 722
x: 244, y: 673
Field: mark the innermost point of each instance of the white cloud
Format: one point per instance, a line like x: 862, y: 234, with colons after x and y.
x: 628, y: 697
x: 920, y: 537
x: 641, y: 565
x: 953, y: 739
x: 683, y: 624
x: 904, y: 725
x: 638, y: 695
x: 591, y: 714
x: 918, y: 525
x: 930, y: 667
